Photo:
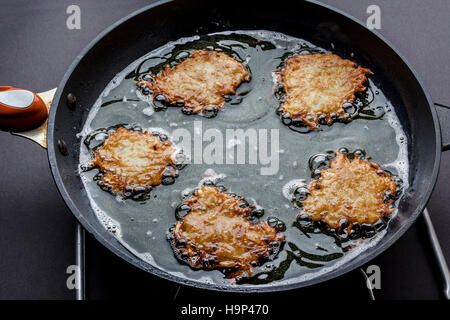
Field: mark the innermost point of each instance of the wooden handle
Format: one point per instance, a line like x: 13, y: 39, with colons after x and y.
x: 21, y: 109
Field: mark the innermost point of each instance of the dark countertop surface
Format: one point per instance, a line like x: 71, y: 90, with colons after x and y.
x: 37, y: 230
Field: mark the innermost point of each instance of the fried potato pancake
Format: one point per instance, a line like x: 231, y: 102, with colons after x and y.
x: 318, y: 85
x: 130, y: 160
x: 200, y: 81
x: 216, y: 234
x: 352, y: 190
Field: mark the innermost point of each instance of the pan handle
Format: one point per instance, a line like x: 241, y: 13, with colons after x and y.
x: 21, y: 109
x: 444, y: 120
x: 25, y: 113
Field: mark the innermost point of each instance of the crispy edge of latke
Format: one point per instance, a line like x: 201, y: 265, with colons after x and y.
x: 196, y: 108
x: 359, y: 78
x: 385, y: 204
x: 119, y: 185
x: 238, y: 271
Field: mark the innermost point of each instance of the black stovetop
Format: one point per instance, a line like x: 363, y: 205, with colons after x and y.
x: 37, y: 230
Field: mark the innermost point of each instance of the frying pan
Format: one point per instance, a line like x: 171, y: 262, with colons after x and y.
x: 164, y: 21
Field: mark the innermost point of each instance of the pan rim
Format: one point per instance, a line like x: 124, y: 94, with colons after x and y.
x: 111, y: 243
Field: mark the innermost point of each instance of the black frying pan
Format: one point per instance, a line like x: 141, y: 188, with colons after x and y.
x: 157, y: 24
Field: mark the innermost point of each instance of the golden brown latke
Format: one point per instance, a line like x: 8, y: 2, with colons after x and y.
x: 216, y: 234
x: 318, y: 85
x: 131, y: 160
x: 355, y: 191
x: 200, y: 81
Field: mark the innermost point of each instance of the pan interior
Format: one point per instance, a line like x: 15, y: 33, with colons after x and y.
x: 142, y: 226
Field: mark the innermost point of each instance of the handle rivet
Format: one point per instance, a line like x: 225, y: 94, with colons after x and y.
x: 71, y: 101
x: 62, y: 147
